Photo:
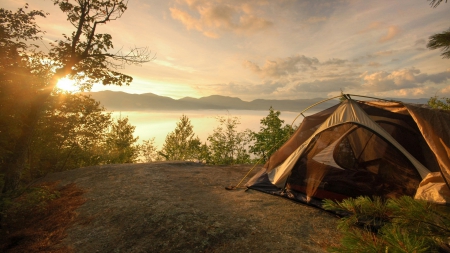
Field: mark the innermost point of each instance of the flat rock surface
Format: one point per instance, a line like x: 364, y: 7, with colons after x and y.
x: 184, y: 207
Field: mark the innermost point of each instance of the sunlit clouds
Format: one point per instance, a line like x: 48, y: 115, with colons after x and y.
x: 214, y: 18
x: 392, y: 32
x: 282, y: 49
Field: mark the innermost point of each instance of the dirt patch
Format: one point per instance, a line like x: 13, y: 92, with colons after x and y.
x: 183, y: 207
x: 41, y: 228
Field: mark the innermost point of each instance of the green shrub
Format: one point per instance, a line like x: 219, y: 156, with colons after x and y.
x: 393, y: 225
x: 29, y: 200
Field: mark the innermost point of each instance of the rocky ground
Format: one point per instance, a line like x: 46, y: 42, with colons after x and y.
x: 184, y: 207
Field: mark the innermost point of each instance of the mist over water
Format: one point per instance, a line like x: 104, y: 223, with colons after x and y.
x: 158, y: 124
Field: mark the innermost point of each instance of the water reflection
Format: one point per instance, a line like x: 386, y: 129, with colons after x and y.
x: 159, y: 123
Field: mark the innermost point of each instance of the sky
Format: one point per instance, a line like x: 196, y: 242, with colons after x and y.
x: 267, y: 49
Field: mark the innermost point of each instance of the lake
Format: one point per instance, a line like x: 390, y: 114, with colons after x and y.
x: 158, y: 124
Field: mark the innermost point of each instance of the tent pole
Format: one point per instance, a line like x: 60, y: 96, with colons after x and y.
x: 311, y: 106
x: 346, y: 96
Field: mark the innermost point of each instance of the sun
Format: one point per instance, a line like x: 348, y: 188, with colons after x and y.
x: 68, y: 85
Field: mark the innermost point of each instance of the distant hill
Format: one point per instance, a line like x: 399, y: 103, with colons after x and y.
x: 121, y: 101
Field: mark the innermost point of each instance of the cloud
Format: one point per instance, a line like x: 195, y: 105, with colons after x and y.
x: 392, y: 32
x: 378, y: 54
x: 420, y: 42
x: 329, y: 85
x: 445, y: 91
x: 243, y: 89
x: 283, y: 67
x: 335, y: 61
x: 186, y: 19
x: 401, y: 79
x: 316, y: 19
x: 215, y: 17
x: 384, y: 53
x: 266, y: 88
x: 374, y: 64
x: 437, y: 78
x: 371, y: 27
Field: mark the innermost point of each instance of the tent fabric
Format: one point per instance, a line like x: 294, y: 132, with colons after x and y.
x: 434, y: 126
x: 358, y: 148
x: 433, y: 189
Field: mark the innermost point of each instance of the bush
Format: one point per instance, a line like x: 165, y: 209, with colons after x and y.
x: 393, y: 225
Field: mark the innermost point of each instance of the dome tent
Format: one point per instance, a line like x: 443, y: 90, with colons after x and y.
x: 373, y: 148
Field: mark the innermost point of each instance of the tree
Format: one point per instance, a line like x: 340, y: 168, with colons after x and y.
x: 84, y: 56
x: 20, y: 77
x: 440, y: 40
x: 271, y: 136
x: 226, y: 144
x: 70, y: 134
x: 120, y: 143
x: 435, y: 3
x: 181, y: 144
x: 149, y: 152
x: 436, y: 103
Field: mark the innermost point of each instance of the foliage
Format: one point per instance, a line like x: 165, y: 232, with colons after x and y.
x: 148, y: 151
x: 271, y: 136
x: 75, y: 131
x: 70, y: 134
x: 37, y: 218
x: 120, y: 143
x: 84, y: 55
x: 440, y: 40
x: 181, y: 144
x: 393, y: 225
x: 34, y: 198
x: 435, y: 3
x: 227, y: 145
x: 17, y: 32
x: 439, y: 103
x: 16, y: 28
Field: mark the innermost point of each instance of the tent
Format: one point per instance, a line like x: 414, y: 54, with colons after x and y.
x: 372, y: 148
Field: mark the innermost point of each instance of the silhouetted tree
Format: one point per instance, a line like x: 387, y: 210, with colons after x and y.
x: 440, y: 40
x: 84, y: 56
x: 435, y: 3
x: 120, y: 143
x: 181, y: 144
x: 70, y: 134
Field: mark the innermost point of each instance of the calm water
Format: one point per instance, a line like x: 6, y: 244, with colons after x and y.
x: 158, y: 124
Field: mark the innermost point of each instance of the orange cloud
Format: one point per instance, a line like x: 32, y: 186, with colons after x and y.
x: 384, y: 81
x: 392, y: 32
x: 283, y: 67
x: 215, y: 17
x: 186, y: 19
x: 372, y: 26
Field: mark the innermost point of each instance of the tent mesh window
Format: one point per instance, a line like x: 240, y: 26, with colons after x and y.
x: 308, y: 126
x: 348, y: 161
x: 402, y: 127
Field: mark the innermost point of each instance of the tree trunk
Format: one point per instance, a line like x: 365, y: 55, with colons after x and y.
x: 17, y: 160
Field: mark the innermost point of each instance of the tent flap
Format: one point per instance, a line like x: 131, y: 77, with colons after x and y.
x: 433, y: 189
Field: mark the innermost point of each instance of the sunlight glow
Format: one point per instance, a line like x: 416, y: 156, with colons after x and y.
x: 68, y: 85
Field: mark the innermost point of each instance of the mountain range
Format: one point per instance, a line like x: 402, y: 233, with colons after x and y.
x: 122, y: 101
